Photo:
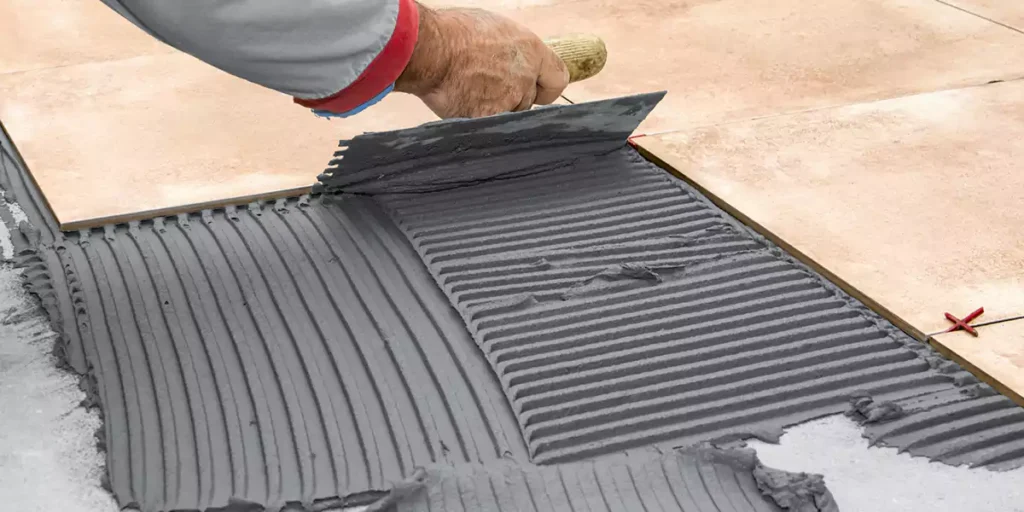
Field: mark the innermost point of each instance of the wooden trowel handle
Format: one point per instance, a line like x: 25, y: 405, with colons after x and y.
x: 583, y: 54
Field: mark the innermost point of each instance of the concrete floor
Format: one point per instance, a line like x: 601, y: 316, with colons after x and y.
x: 875, y: 479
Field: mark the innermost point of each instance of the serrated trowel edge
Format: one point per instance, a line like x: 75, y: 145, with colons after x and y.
x: 459, y: 152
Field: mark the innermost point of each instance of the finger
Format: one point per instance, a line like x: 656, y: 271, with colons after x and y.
x: 438, y: 104
x: 487, y: 109
x: 528, y: 99
x: 553, y: 78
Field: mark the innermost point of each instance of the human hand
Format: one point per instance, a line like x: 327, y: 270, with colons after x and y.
x: 474, y: 63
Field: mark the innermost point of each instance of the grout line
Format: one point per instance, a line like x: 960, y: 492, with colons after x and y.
x: 171, y: 51
x: 837, y: 106
x: 983, y: 324
x: 990, y: 20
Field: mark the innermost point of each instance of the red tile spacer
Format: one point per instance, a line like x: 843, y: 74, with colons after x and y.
x: 964, y: 324
x: 629, y: 140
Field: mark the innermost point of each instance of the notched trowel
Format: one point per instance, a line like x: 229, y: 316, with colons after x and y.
x: 459, y: 152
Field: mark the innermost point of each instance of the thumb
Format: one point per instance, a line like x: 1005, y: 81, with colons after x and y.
x: 553, y: 77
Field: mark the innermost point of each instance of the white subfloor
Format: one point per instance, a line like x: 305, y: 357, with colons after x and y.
x: 873, y: 479
x: 48, y: 456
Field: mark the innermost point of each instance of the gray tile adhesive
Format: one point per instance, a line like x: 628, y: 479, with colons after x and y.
x: 695, y: 479
x: 284, y: 352
x: 520, y: 295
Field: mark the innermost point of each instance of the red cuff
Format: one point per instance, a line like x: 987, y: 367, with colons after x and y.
x: 382, y: 71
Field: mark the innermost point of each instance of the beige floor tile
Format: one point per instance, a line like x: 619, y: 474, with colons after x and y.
x: 735, y: 59
x: 38, y: 34
x: 914, y: 202
x: 996, y: 355
x: 503, y: 6
x: 167, y: 132
x: 1009, y: 12
x: 153, y: 132
x: 113, y: 123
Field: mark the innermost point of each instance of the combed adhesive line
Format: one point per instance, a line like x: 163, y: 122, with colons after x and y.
x: 621, y: 309
x: 280, y: 353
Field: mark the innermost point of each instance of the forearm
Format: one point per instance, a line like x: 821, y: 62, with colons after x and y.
x: 328, y: 54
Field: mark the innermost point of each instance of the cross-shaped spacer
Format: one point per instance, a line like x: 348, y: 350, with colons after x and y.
x: 964, y: 324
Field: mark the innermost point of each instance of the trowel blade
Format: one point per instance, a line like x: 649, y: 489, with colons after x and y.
x: 457, y: 152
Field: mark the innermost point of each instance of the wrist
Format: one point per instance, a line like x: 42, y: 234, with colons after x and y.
x: 380, y: 75
x: 427, y: 66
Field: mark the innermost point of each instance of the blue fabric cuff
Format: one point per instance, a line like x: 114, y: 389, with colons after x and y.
x: 372, y: 101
